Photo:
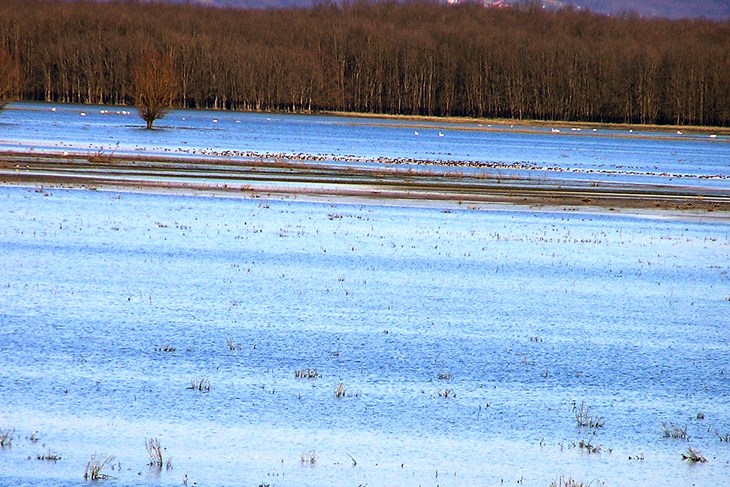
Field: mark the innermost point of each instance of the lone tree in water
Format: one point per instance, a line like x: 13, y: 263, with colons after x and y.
x: 9, y: 78
x: 155, y: 82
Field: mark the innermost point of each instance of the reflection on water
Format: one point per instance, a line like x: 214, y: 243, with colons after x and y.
x: 462, y: 338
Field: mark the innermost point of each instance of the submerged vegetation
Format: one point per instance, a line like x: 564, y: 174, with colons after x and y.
x: 340, y: 390
x: 49, y: 456
x: 309, y: 458
x: 306, y: 374
x: 569, y: 482
x: 155, y: 453
x: 400, y: 431
x: 201, y: 384
x: 585, y: 418
x: 672, y: 430
x: 413, y: 58
x: 6, y: 439
x: 693, y: 455
x: 96, y: 466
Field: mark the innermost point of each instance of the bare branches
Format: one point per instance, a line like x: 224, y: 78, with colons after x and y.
x: 410, y: 58
x: 10, y: 78
x: 155, y: 82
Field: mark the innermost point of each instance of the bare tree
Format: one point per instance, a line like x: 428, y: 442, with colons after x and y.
x: 9, y: 78
x: 409, y: 57
x: 156, y: 85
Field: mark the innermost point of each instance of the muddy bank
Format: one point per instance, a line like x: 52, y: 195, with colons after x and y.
x: 272, y: 175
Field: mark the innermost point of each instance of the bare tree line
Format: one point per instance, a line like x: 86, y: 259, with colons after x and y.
x: 416, y: 58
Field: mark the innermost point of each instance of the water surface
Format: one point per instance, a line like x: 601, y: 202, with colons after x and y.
x: 521, y: 313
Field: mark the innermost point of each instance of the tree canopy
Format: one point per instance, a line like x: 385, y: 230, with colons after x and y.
x: 394, y: 58
x: 155, y: 85
x: 10, y: 78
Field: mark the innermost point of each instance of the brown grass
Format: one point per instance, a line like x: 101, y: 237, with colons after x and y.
x: 585, y: 418
x: 569, y: 482
x: 694, y: 456
x: 95, y: 468
x: 261, y: 173
x: 589, y: 447
x: 155, y: 452
x: 49, y: 456
x: 672, y: 430
x: 6, y: 439
x: 306, y: 374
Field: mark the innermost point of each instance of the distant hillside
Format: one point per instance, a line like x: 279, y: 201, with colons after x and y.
x: 673, y: 9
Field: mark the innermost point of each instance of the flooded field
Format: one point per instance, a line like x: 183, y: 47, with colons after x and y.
x: 470, y: 344
x: 596, y: 155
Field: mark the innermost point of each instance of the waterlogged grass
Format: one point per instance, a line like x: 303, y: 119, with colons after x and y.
x: 49, y: 456
x: 567, y: 482
x: 674, y: 431
x: 6, y: 438
x: 585, y: 418
x: 307, y: 374
x: 201, y: 384
x: 501, y: 309
x: 693, y: 455
x: 157, y: 454
x: 97, y: 466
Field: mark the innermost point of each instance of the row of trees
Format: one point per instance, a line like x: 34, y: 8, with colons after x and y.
x: 414, y: 58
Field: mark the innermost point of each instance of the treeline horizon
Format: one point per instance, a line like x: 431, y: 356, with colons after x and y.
x: 416, y: 58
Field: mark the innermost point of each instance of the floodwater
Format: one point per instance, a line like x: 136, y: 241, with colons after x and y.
x: 463, y: 338
x: 667, y: 158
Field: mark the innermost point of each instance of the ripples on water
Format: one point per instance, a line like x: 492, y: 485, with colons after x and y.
x: 600, y: 155
x: 519, y: 312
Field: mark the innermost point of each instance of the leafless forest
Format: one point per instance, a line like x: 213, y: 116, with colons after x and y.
x: 416, y: 58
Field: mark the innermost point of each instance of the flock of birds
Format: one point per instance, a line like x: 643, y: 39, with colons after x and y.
x: 415, y: 132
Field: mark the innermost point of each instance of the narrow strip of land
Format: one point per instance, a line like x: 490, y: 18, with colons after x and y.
x: 260, y: 177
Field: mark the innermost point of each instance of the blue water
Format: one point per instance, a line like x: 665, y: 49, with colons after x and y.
x: 523, y: 312
x: 669, y: 158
